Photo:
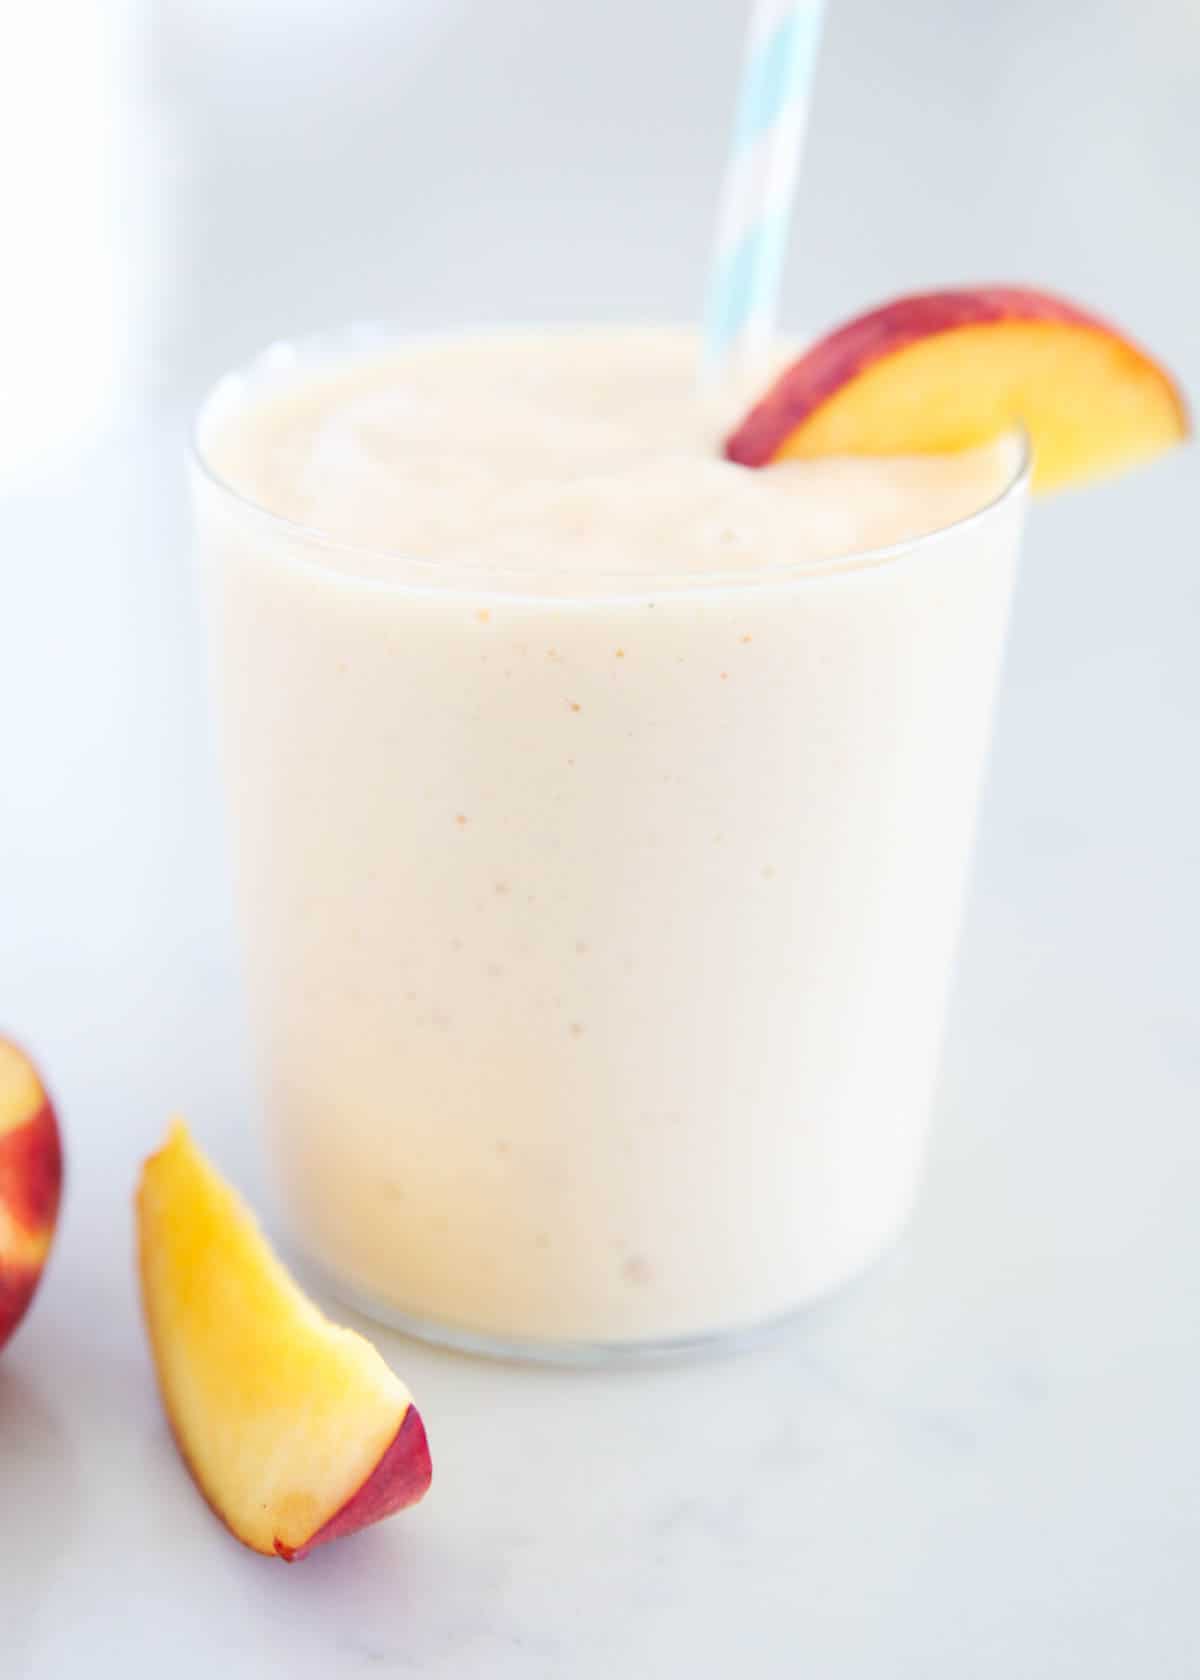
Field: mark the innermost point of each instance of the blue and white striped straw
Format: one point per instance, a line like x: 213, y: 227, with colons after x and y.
x: 756, y: 197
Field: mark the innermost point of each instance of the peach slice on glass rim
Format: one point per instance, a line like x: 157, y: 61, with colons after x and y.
x: 943, y: 371
x: 31, y: 1172
x: 295, y: 1431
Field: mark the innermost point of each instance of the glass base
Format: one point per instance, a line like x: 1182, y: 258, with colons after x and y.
x: 604, y: 1354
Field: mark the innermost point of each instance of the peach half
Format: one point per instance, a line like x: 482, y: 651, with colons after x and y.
x: 295, y: 1430
x: 31, y: 1172
x: 943, y: 371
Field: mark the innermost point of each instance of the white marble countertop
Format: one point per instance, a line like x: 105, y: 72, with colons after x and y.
x: 983, y: 1460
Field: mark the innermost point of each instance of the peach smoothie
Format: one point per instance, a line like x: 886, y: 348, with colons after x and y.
x: 601, y: 814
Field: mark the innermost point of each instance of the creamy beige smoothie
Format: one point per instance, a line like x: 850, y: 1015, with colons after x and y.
x: 601, y: 814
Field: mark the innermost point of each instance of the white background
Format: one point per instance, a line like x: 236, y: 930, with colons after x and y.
x: 983, y: 1462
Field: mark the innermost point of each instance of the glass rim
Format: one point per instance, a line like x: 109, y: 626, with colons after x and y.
x: 442, y: 577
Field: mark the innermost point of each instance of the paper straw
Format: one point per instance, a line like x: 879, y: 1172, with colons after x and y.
x: 756, y: 196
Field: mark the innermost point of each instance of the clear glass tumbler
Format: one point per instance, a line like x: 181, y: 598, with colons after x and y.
x: 597, y: 934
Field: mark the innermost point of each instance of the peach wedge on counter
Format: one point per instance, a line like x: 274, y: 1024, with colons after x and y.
x: 295, y: 1430
x: 943, y: 371
x: 31, y: 1170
